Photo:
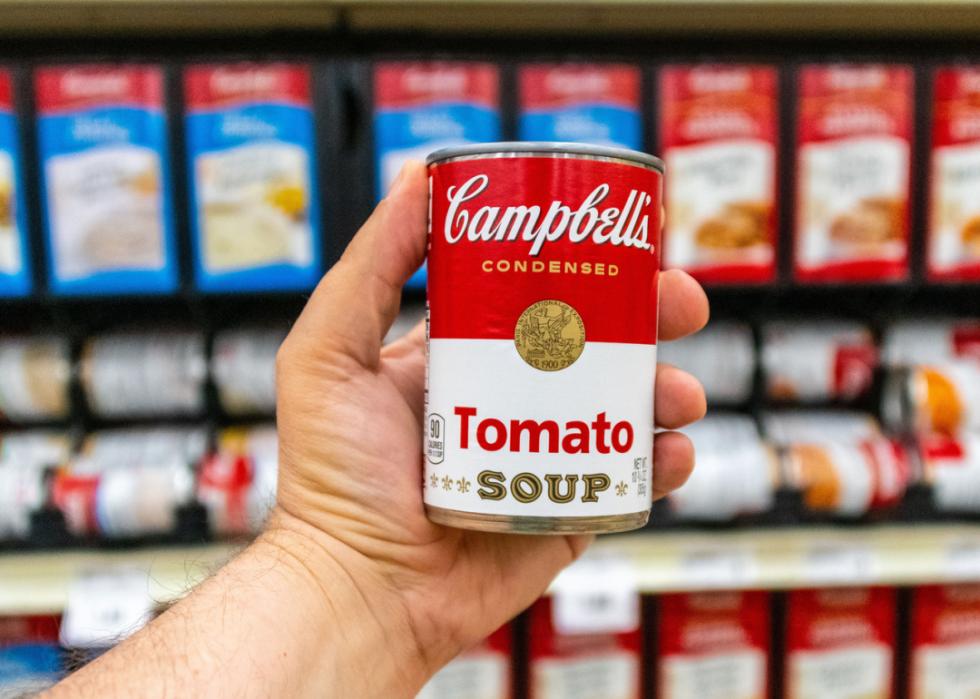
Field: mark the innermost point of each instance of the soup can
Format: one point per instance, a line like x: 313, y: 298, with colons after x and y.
x: 541, y: 337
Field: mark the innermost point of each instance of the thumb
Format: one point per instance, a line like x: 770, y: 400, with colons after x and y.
x: 356, y: 302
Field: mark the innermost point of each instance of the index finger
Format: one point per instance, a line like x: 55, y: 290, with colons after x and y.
x: 683, y: 305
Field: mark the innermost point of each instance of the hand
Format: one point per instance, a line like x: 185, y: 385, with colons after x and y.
x: 350, y: 426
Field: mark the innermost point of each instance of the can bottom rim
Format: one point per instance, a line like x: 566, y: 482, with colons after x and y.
x: 516, y: 524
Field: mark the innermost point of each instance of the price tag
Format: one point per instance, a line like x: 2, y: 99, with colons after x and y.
x: 596, y: 594
x: 718, y: 568
x: 105, y: 607
x: 963, y: 560
x: 836, y: 563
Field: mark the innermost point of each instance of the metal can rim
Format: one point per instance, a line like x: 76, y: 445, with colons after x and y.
x: 504, y: 149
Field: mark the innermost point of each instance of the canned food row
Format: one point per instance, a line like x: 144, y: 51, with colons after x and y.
x: 127, y: 375
x: 933, y: 369
x: 820, y: 361
x: 256, y: 138
x: 829, y: 643
x: 134, y: 483
x: 832, y: 464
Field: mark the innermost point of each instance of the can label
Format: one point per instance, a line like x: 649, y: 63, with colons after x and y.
x: 15, y: 278
x: 713, y: 645
x: 542, y: 336
x: 912, y: 342
x: 945, y: 397
x: 581, y: 103
x: 840, y: 643
x: 737, y: 472
x: 103, y: 142
x: 722, y: 356
x: 145, y: 374
x: 945, y: 642
x: 578, y: 666
x: 34, y: 377
x: 251, y: 161
x: 719, y: 132
x: 243, y: 367
x: 953, y: 248
x: 849, y: 479
x: 854, y: 134
x: 952, y: 467
x: 818, y: 361
x: 482, y: 672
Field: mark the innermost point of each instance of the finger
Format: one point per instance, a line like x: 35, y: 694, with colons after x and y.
x: 356, y: 302
x: 673, y: 461
x: 678, y: 398
x: 683, y: 305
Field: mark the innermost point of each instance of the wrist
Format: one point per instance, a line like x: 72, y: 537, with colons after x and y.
x: 371, y: 644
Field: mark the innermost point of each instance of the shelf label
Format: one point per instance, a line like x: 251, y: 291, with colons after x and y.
x: 105, y: 607
x: 597, y: 594
x: 838, y: 563
x: 718, y: 568
x: 963, y: 559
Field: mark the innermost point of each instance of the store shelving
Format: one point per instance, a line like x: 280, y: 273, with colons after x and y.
x: 787, y: 558
x: 649, y: 17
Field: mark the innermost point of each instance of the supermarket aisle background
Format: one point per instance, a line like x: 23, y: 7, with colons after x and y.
x: 166, y: 202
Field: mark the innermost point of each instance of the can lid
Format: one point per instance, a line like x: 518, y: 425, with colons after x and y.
x: 544, y: 148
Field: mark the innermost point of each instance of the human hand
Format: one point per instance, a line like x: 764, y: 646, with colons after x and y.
x: 350, y: 427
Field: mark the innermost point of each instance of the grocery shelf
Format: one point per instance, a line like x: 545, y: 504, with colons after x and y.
x: 788, y: 558
x: 37, y: 583
x: 693, y: 17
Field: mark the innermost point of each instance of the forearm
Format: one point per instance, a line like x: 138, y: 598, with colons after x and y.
x: 284, y: 618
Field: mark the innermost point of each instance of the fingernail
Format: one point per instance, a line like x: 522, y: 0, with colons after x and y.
x: 401, y: 178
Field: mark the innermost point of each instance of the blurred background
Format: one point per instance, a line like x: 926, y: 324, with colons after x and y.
x: 175, y: 177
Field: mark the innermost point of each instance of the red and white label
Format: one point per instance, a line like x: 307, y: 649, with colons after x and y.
x: 75, y: 495
x: 849, y: 479
x: 214, y: 86
x: 953, y: 246
x: 945, y: 643
x: 404, y: 85
x: 545, y: 87
x: 719, y: 136
x: 840, y: 643
x: 931, y: 341
x: 542, y: 335
x: 818, y: 361
x: 713, y: 645
x: 952, y: 467
x: 482, y: 672
x: 854, y: 142
x: 71, y: 88
x: 581, y: 666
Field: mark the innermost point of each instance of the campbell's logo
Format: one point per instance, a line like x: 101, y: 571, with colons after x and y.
x: 578, y: 83
x: 437, y: 81
x: 76, y: 84
x: 856, y: 78
x: 626, y: 226
x: 235, y: 82
x: 702, y: 80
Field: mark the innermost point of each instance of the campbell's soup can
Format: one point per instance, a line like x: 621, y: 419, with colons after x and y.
x: 542, y: 332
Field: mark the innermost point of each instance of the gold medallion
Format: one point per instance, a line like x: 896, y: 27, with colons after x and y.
x: 549, y: 335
